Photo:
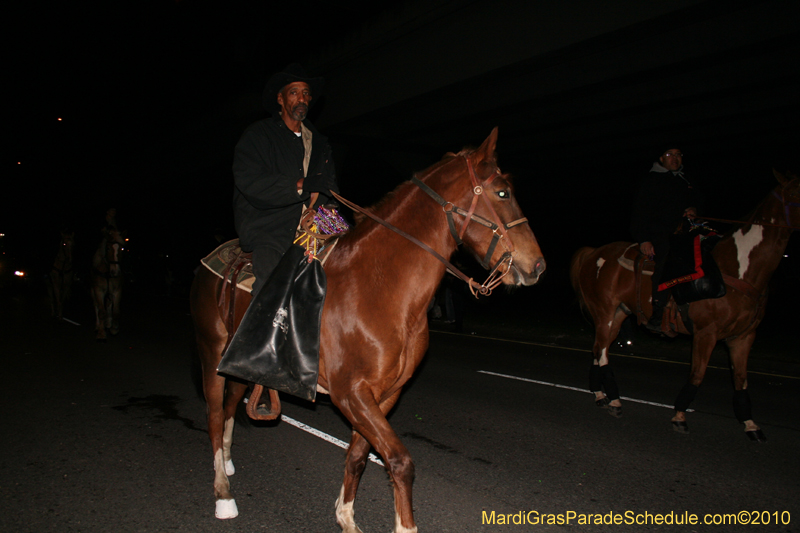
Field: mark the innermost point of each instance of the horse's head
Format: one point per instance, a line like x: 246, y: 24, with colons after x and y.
x: 789, y: 193
x: 113, y: 242
x: 67, y: 243
x: 492, y: 224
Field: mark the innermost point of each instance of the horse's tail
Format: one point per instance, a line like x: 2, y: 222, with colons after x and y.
x: 575, y: 273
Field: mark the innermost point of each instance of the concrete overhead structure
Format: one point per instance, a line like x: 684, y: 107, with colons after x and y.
x: 556, y: 75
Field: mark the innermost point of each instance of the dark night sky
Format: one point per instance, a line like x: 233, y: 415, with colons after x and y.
x: 124, y: 77
x: 129, y: 78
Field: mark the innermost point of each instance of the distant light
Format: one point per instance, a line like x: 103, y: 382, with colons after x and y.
x: 126, y: 240
x: 629, y: 343
x: 59, y: 119
x: 19, y: 273
x: 785, y: 255
x: 2, y: 235
x: 19, y: 162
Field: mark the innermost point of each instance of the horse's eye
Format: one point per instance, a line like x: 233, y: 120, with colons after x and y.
x: 503, y: 194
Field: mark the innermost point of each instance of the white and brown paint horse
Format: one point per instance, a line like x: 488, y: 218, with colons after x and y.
x: 107, y: 283
x: 747, y: 256
x: 374, y: 321
x: 61, y: 276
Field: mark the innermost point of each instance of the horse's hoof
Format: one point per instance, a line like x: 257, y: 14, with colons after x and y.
x: 615, y: 411
x: 602, y: 402
x: 756, y: 435
x: 680, y: 426
x: 226, y: 509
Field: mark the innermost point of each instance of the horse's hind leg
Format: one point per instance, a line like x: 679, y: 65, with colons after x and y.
x: 114, y: 299
x: 601, y: 375
x: 356, y: 461
x: 739, y: 352
x: 369, y: 420
x: 99, y: 297
x: 211, y: 336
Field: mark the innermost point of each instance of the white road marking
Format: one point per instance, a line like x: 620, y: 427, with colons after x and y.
x: 70, y: 321
x: 556, y: 385
x: 630, y: 356
x: 324, y: 436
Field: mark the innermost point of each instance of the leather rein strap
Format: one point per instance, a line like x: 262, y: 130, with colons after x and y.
x: 494, y: 279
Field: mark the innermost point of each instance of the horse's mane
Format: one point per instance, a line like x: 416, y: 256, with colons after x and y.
x: 391, y: 195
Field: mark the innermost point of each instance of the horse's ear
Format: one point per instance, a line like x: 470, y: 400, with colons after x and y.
x: 780, y: 177
x: 486, y: 150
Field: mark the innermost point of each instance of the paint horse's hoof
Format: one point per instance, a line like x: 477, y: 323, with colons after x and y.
x: 605, y: 403
x: 756, y: 435
x: 680, y: 427
x: 226, y: 509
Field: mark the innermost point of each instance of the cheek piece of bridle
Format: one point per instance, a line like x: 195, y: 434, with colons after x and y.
x: 497, y: 227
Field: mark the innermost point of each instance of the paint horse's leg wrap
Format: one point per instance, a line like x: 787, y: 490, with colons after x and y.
x: 685, y: 397
x: 609, y: 382
x: 595, y: 379
x: 741, y: 405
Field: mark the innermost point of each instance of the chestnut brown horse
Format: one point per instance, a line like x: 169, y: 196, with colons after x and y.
x: 374, y: 322
x: 747, y: 256
x: 107, y: 283
x: 59, y: 281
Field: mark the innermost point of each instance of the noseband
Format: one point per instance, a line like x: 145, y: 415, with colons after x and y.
x: 786, y: 206
x: 498, y: 227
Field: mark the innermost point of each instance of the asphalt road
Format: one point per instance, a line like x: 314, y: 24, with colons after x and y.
x: 111, y: 438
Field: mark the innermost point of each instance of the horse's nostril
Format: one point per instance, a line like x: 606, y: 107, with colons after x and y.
x: 540, y: 267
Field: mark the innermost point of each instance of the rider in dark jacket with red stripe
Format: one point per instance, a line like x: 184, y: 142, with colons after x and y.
x: 278, y: 165
x: 664, y: 198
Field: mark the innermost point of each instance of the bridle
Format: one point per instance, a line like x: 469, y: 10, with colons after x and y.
x: 498, y: 228
x: 786, y: 213
x: 110, y: 243
x: 787, y: 205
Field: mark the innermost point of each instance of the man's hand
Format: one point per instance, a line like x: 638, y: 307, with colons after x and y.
x: 300, y: 184
x: 647, y: 249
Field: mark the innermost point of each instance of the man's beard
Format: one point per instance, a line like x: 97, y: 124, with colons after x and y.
x: 299, y: 112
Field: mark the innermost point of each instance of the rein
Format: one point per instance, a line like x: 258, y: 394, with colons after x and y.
x: 494, y: 279
x: 743, y: 222
x: 786, y: 206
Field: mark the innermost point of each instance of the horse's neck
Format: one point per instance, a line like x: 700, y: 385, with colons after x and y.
x: 415, y: 213
x: 99, y: 260
x: 63, y: 258
x: 752, y: 252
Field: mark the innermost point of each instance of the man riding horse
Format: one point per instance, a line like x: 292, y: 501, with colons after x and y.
x: 664, y: 199
x: 280, y: 165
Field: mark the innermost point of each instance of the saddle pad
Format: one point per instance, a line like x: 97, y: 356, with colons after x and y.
x: 218, y: 260
x: 628, y: 264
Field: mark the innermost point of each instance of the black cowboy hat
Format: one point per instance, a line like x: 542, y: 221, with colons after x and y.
x: 667, y: 147
x: 290, y: 74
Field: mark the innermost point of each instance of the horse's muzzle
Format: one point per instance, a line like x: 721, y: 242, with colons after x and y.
x: 525, y: 278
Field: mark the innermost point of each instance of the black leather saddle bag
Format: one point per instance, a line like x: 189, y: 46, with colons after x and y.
x: 277, y: 343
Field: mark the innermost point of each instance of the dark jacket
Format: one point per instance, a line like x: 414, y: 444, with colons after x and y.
x: 660, y: 202
x: 267, y: 163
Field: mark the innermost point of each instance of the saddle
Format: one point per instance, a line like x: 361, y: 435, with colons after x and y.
x: 636, y: 262
x: 315, y: 238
